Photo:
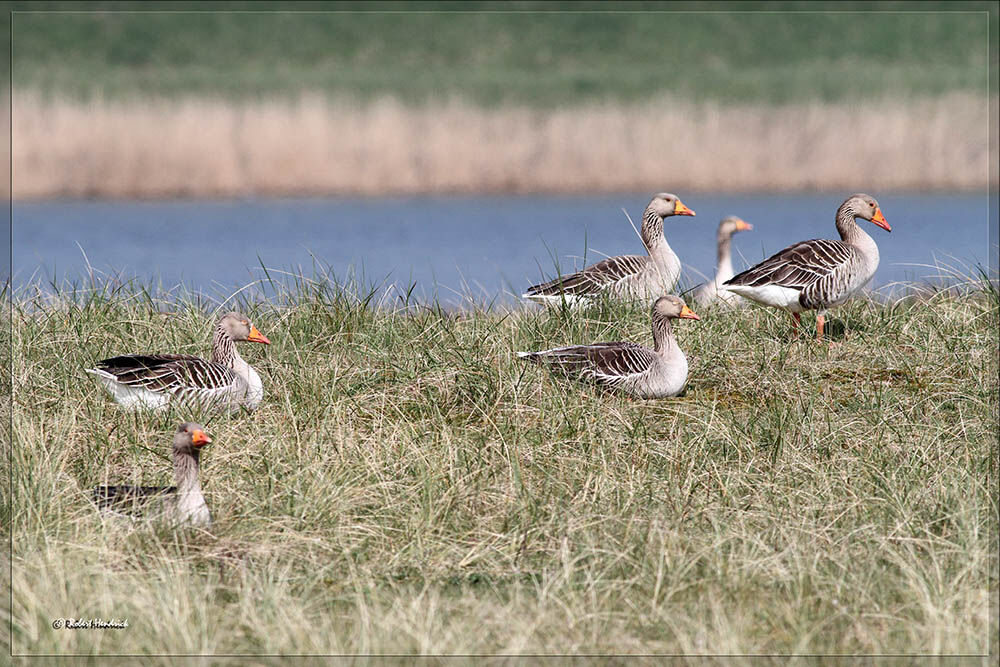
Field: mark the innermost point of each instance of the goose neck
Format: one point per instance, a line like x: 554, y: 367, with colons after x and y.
x: 224, y: 349
x: 186, y: 472
x: 847, y: 227
x: 652, y: 231
x: 724, y: 259
x: 664, y: 341
x: 852, y: 234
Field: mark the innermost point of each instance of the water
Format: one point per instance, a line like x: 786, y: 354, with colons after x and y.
x: 488, y: 247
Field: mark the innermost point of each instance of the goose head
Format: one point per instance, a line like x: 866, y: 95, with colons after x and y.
x: 732, y: 224
x: 673, y: 307
x: 865, y: 207
x: 239, y: 328
x: 665, y: 204
x: 189, y: 438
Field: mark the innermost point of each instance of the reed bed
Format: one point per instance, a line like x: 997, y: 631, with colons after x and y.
x: 408, y: 486
x: 201, y: 147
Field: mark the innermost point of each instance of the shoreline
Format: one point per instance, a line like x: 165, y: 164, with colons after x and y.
x: 314, y: 147
x: 287, y: 293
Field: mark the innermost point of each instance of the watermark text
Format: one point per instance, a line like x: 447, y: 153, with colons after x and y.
x: 89, y: 624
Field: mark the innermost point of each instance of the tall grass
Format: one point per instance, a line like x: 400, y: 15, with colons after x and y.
x: 526, y: 53
x: 202, y: 147
x: 409, y: 487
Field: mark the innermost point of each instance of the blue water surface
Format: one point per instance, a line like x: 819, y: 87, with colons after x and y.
x: 454, y: 247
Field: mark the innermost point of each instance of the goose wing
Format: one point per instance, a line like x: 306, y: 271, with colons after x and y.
x: 124, y: 498
x: 798, y: 266
x: 168, y: 372
x: 592, y: 279
x: 605, y: 363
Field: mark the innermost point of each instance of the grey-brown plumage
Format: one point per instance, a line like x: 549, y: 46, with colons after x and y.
x: 181, y: 504
x: 628, y: 367
x: 153, y: 380
x: 635, y: 276
x: 817, y: 274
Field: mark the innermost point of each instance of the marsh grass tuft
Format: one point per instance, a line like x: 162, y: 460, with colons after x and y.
x: 409, y: 486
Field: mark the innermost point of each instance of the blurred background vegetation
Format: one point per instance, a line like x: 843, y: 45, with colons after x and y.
x: 536, y: 53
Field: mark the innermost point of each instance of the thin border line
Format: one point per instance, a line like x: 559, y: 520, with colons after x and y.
x: 10, y: 311
x: 989, y: 194
x: 859, y: 10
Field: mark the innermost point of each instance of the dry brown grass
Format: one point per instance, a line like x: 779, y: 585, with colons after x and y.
x: 203, y: 147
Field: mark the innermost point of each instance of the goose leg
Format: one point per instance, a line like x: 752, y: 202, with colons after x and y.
x: 796, y: 321
x: 820, y: 319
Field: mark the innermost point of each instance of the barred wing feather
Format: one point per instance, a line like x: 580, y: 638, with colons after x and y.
x: 123, y: 498
x: 605, y: 363
x: 168, y: 372
x: 594, y: 278
x: 798, y: 266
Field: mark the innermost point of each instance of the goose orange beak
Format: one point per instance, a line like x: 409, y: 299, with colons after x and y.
x: 688, y: 314
x: 199, y: 438
x: 257, y: 337
x: 879, y: 220
x: 681, y: 209
x: 743, y: 226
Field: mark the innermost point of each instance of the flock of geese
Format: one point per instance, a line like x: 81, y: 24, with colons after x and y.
x: 818, y: 274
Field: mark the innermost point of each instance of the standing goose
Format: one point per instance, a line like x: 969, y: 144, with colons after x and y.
x: 709, y: 292
x: 635, y: 276
x: 151, y: 381
x: 629, y: 367
x: 182, y: 504
x: 817, y: 274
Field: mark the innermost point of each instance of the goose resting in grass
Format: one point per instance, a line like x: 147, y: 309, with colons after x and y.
x: 634, y: 276
x: 183, y: 504
x: 152, y: 381
x: 817, y: 274
x: 628, y: 367
x: 709, y: 292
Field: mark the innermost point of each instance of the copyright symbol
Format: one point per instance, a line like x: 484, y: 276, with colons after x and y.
x: 56, y: 624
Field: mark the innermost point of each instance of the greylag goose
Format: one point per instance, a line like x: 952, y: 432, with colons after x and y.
x: 634, y: 276
x: 629, y: 367
x: 182, y: 504
x: 709, y: 292
x: 151, y: 381
x: 817, y: 274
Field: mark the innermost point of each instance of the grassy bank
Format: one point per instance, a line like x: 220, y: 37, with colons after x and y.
x: 526, y: 53
x: 204, y: 147
x: 409, y: 486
